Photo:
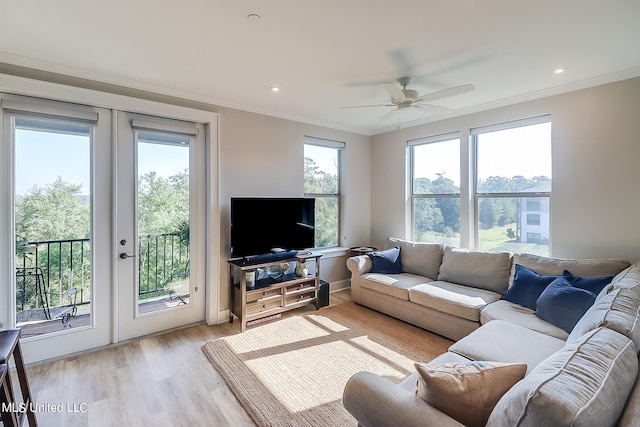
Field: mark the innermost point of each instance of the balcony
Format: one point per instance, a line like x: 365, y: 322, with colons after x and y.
x: 53, y: 280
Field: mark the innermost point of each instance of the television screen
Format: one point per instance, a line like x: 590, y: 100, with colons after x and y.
x: 261, y: 224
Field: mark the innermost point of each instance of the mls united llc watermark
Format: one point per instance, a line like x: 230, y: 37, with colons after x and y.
x: 21, y: 407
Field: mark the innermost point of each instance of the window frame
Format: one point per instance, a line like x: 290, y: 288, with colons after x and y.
x: 414, y: 196
x: 339, y: 147
x: 477, y: 195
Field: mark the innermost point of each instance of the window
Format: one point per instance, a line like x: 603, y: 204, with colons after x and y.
x: 322, y: 182
x: 435, y: 189
x: 533, y: 204
x: 513, y: 177
x: 533, y: 219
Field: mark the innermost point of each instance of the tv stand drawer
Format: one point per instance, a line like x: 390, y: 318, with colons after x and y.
x: 263, y: 294
x: 300, y: 287
x: 261, y: 306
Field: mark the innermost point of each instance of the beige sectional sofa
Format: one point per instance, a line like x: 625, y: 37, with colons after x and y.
x: 582, y: 376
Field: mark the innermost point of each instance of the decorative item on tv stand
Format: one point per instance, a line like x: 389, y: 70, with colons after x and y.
x: 302, y: 270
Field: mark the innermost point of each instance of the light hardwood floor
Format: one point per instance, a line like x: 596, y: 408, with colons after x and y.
x: 160, y: 380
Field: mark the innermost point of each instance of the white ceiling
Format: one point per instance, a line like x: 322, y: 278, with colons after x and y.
x: 324, y: 55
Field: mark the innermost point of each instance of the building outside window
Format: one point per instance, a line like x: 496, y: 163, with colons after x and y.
x: 435, y: 189
x: 322, y: 181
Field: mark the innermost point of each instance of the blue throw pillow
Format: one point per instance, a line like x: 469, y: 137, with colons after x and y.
x: 386, y: 262
x: 595, y: 284
x: 527, y: 287
x: 562, y: 304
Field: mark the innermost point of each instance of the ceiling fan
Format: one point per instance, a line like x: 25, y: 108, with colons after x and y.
x: 408, y: 98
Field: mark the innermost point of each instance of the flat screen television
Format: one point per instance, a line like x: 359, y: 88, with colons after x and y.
x: 264, y: 225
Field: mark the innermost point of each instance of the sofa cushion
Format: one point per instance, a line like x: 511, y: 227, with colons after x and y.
x: 556, y: 266
x: 562, y: 304
x: 480, y: 269
x: 519, y: 315
x: 627, y: 278
x: 419, y: 258
x: 410, y: 382
x: 458, y: 300
x: 467, y: 392
x: 505, y: 342
x: 395, y: 285
x: 618, y: 309
x: 631, y: 413
x: 593, y: 284
x: 584, y: 384
x: 527, y: 287
x: 387, y: 262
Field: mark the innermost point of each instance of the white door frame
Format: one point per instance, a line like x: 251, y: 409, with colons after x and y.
x: 130, y: 322
x: 41, y: 89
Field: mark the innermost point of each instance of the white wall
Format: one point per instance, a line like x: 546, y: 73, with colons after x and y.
x: 595, y: 203
x: 262, y: 156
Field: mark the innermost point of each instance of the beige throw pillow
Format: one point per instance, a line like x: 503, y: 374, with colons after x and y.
x: 467, y: 392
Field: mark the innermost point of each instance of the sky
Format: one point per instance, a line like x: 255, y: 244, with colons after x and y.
x: 507, y: 153
x: 40, y: 157
x: 43, y: 156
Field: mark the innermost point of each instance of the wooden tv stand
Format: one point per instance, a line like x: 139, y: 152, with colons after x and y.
x: 270, y: 296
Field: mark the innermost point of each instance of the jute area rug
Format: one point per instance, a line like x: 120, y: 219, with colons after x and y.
x: 292, y: 372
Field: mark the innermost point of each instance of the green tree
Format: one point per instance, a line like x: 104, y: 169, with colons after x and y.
x: 163, y: 213
x: 163, y: 203
x: 54, y: 212
x: 317, y: 181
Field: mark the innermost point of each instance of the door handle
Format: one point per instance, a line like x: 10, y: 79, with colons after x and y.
x: 125, y: 255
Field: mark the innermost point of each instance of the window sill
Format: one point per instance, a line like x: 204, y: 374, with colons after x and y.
x: 331, y: 252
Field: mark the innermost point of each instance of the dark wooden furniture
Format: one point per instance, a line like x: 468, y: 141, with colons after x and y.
x: 8, y: 409
x: 10, y: 347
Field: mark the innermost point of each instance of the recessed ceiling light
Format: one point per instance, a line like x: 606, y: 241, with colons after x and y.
x: 560, y: 70
x: 274, y: 89
x: 254, y: 17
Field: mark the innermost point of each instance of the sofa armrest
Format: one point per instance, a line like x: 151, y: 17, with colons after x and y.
x: 358, y: 265
x: 376, y: 401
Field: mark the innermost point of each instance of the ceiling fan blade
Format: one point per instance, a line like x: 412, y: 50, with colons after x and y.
x: 432, y: 109
x: 370, y: 105
x: 395, y: 92
x: 445, y: 93
x: 389, y: 114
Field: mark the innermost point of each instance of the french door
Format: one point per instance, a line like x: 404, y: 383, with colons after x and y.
x: 56, y: 215
x: 102, y: 224
x: 160, y: 202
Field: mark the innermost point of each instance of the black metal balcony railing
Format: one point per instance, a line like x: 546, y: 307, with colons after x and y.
x: 66, y: 264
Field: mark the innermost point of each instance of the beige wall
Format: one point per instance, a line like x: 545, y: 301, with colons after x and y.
x: 262, y: 156
x: 595, y: 204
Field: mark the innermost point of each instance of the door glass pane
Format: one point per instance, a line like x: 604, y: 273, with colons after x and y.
x: 163, y: 221
x: 52, y: 224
